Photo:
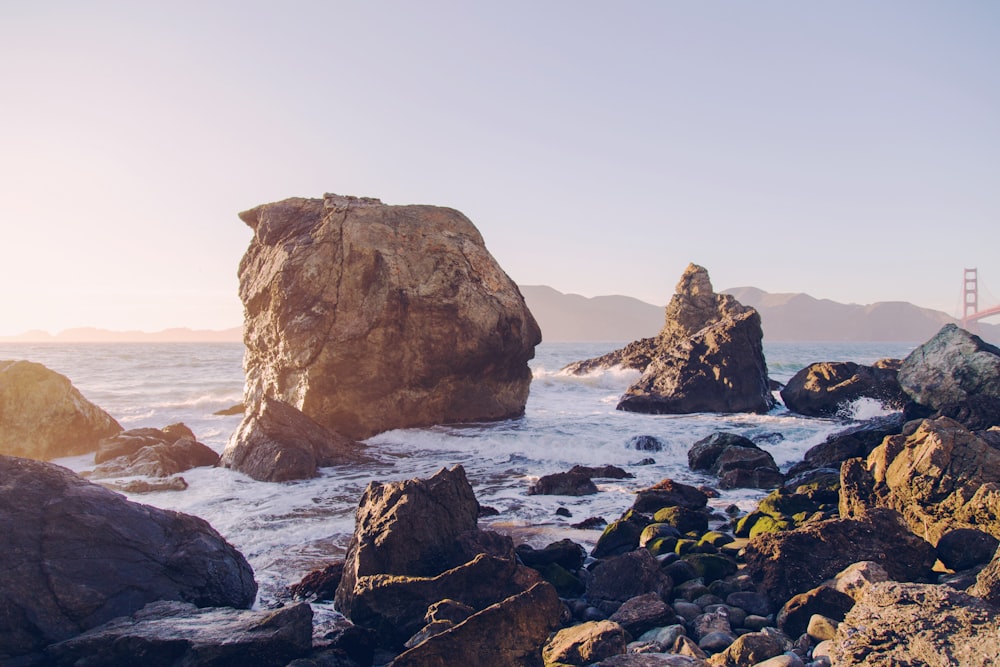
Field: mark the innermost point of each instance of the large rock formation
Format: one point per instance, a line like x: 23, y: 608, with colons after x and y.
x: 707, y: 358
x: 368, y: 317
x: 77, y: 555
x: 950, y: 368
x: 937, y: 474
x: 43, y: 416
x: 416, y: 543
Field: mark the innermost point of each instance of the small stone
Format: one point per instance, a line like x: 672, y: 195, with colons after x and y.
x: 666, y: 636
x: 750, y: 601
x: 714, y: 642
x: 687, y: 646
x: 687, y: 610
x: 783, y: 660
x: 821, y: 628
x: 756, y: 623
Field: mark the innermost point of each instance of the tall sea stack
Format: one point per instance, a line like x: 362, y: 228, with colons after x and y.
x: 368, y: 317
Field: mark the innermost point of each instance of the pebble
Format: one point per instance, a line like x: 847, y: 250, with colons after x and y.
x: 783, y: 660
x: 821, y: 628
x: 666, y: 636
x: 687, y: 610
x: 757, y: 623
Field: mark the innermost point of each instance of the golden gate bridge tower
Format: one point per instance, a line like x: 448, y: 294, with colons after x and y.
x: 970, y: 301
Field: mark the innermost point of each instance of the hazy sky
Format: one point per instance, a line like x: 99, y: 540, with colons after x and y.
x: 850, y: 150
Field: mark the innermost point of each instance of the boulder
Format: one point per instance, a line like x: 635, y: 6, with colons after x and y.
x: 177, y: 633
x: 937, y: 474
x: 636, y: 356
x: 668, y: 493
x: 917, y: 624
x: 415, y: 543
x: 783, y: 564
x: 749, y: 649
x: 622, y: 535
x: 618, y: 579
x: 563, y: 484
x: 510, y: 632
x: 643, y: 613
x: 77, y: 555
x: 852, y: 442
x: 43, y: 416
x: 368, y: 317
x: 151, y: 452
x: 794, y: 617
x: 277, y: 443
x: 320, y: 584
x: 738, y: 462
x: 987, y: 584
x: 963, y: 548
x: 585, y: 644
x: 824, y: 389
x: 951, y: 367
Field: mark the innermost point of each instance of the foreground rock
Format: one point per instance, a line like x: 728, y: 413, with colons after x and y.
x: 368, y: 317
x: 77, y: 555
x: 783, y: 564
x: 918, y: 624
x: 176, y: 633
x: 278, y: 443
x: 43, y: 416
x: 826, y: 388
x: 951, y: 368
x: 937, y: 474
x: 416, y: 543
x: 707, y: 358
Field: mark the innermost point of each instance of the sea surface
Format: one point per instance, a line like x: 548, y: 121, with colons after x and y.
x: 286, y: 530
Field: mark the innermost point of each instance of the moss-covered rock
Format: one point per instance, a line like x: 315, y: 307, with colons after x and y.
x: 684, y: 519
x: 711, y: 567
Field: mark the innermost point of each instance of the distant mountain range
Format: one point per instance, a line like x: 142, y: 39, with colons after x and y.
x: 571, y: 317
x: 92, y: 335
x: 785, y: 317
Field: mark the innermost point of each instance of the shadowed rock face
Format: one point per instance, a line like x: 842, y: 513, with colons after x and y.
x: 77, y: 555
x: 369, y: 317
x: 950, y: 368
x: 43, y: 416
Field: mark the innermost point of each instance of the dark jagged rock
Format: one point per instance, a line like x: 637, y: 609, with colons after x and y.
x: 917, y: 624
x: 793, y: 619
x: 176, y: 633
x: 622, y: 535
x: 850, y: 443
x: 415, y: 543
x: 668, y: 493
x: 738, y: 462
x: 823, y: 389
x: 602, y: 472
x: 565, y: 553
x: 642, y: 613
x: 43, y: 416
x: 563, y: 484
x: 319, y: 584
x: 783, y: 564
x: 77, y: 555
x: 368, y: 317
x: 645, y: 443
x: 987, y: 584
x: 707, y: 358
x: 618, y: 579
x: 510, y: 632
x: 965, y: 547
x: 278, y: 443
x: 585, y: 644
x: 950, y: 368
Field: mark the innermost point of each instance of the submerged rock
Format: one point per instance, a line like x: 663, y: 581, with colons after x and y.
x: 707, y: 358
x: 43, y: 416
x: 77, y: 555
x: 151, y: 452
x: 823, y: 389
x: 368, y: 317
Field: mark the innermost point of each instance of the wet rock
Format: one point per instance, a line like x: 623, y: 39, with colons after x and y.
x: 563, y: 484
x: 651, y: 660
x: 909, y: 624
x: 966, y: 547
x: 179, y: 633
x: 738, y: 461
x: 319, y: 584
x: 43, y: 416
x: 151, y: 452
x: 368, y: 317
x: 668, y: 493
x: 823, y: 389
x: 139, y: 486
x: 937, y: 474
x: 621, y: 536
x: 566, y: 553
x: 642, y: 613
x: 751, y: 602
x: 645, y: 443
x: 523, y: 621
x: 951, y: 367
x: 853, y: 442
x: 277, y: 443
x: 77, y: 555
x: 616, y: 580
x: 786, y: 563
x: 585, y: 644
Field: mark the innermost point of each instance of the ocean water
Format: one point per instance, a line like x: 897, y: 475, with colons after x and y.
x: 286, y: 530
